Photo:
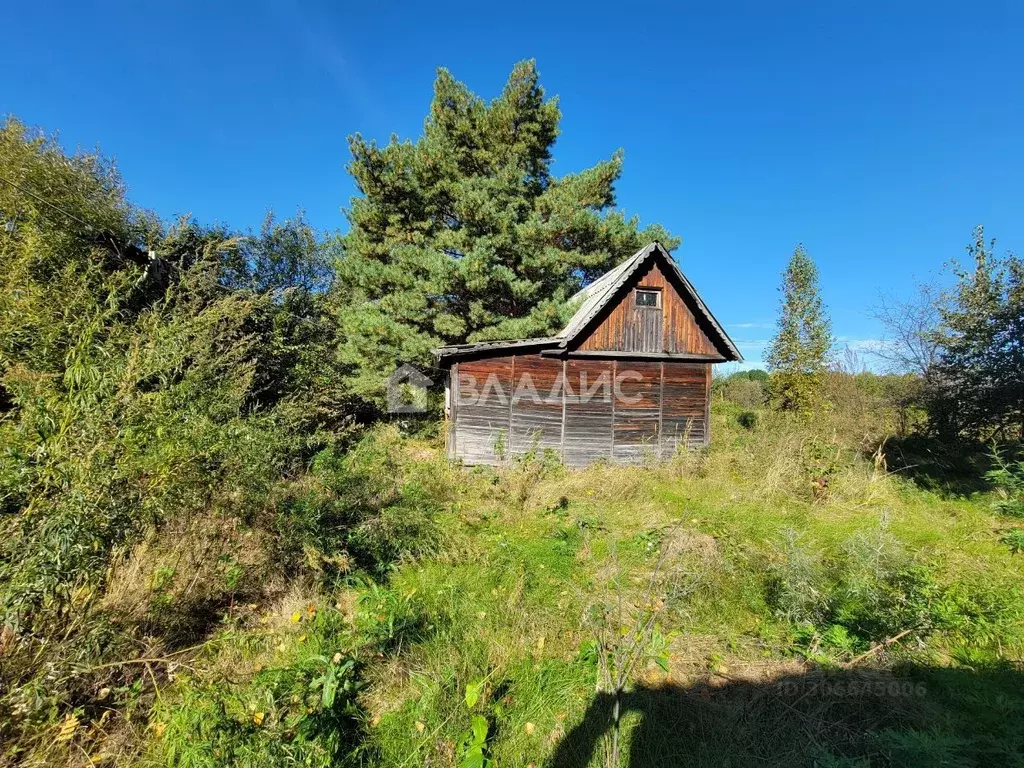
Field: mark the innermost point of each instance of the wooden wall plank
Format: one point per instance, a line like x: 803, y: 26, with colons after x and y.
x: 663, y: 407
x: 588, y: 420
x: 483, y: 389
x: 637, y: 410
x: 537, y: 405
x: 628, y: 328
x: 684, y: 408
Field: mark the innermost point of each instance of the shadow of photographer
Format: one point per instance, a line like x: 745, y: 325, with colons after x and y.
x: 916, y: 717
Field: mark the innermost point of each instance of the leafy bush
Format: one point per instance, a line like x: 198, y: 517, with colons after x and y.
x: 301, y: 710
x: 745, y: 392
x: 1014, y: 539
x: 365, y: 508
x: 879, y: 590
x: 871, y: 590
x: 153, y: 378
x: 1008, y: 478
x: 747, y: 419
x: 795, y: 584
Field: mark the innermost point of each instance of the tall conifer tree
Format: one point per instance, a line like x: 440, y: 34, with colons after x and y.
x: 465, y: 234
x: 799, y: 353
x: 979, y: 378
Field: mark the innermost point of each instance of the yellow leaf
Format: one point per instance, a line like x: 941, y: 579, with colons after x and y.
x: 159, y: 729
x: 257, y: 717
x: 530, y: 728
x: 67, y: 729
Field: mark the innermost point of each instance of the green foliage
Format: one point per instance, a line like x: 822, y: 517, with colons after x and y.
x: 980, y: 368
x: 871, y: 590
x: 464, y: 234
x: 747, y: 419
x: 1014, y: 539
x: 746, y: 391
x: 1008, y: 478
x: 153, y: 379
x: 801, y: 348
x: 300, y: 710
x: 473, y: 745
x: 389, y: 619
x: 365, y: 508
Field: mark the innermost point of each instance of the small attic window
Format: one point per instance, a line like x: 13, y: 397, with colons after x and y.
x: 648, y: 298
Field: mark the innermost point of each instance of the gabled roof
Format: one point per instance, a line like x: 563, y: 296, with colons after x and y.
x: 596, y: 298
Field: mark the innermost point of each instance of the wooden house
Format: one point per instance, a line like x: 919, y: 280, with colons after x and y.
x: 626, y: 380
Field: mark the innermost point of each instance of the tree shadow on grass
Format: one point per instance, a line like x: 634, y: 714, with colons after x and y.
x: 916, y: 717
x: 949, y: 468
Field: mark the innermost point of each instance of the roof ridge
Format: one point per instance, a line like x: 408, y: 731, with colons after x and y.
x: 595, y: 298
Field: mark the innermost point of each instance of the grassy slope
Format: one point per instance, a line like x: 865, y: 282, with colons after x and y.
x: 508, y: 600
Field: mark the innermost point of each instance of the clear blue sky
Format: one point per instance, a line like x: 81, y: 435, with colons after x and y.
x: 878, y: 138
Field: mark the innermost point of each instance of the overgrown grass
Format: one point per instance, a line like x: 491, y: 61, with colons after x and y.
x: 481, y: 646
x: 457, y: 616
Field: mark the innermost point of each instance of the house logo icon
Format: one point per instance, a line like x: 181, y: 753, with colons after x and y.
x: 407, y: 390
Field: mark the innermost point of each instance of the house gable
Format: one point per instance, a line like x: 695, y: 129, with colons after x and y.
x: 669, y: 327
x: 611, y: 318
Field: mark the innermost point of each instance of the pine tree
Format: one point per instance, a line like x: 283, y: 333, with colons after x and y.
x: 979, y: 381
x: 799, y: 354
x: 465, y: 235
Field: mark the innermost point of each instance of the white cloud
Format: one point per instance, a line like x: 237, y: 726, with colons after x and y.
x: 859, y: 345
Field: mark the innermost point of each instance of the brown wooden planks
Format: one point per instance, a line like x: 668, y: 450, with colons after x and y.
x: 684, y: 406
x: 537, y: 405
x: 637, y: 410
x: 588, y: 411
x: 519, y: 403
x: 628, y: 328
x: 482, y: 409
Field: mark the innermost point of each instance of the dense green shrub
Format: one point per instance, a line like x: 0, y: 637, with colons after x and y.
x: 152, y: 376
x: 301, y: 710
x: 747, y: 419
x: 365, y: 508
x: 745, y: 392
x: 1008, y: 478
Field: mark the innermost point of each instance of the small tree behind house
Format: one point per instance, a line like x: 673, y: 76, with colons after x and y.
x: 799, y: 352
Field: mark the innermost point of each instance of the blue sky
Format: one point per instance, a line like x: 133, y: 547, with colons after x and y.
x: 877, y: 137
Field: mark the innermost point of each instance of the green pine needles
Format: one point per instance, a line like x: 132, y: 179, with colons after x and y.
x: 464, y: 234
x: 800, y: 351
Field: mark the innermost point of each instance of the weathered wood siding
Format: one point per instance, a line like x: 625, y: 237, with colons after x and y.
x: 685, y: 401
x: 479, y: 418
x: 588, y: 411
x: 536, y: 407
x: 506, y: 406
x: 670, y: 328
x: 637, y: 412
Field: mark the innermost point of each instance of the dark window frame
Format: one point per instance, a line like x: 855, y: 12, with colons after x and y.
x: 656, y: 292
